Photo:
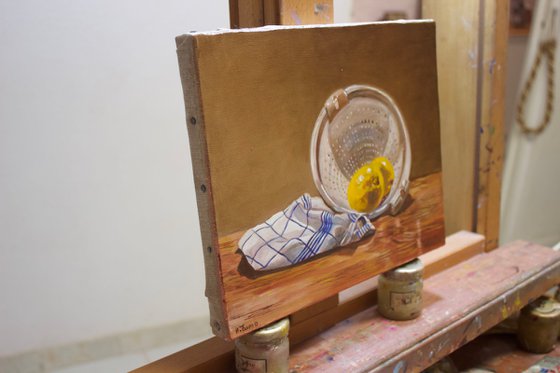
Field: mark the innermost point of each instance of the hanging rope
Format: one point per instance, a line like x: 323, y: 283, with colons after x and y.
x: 547, y: 50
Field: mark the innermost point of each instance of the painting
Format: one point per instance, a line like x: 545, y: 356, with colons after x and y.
x: 316, y: 160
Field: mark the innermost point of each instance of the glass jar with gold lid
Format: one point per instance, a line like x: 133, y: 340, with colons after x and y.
x: 399, y: 291
x: 265, y: 350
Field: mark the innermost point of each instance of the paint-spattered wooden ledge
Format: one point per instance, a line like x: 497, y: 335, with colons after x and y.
x: 498, y: 353
x: 461, y: 303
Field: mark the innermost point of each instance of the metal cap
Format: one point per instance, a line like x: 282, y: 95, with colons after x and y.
x: 543, y: 307
x: 410, y: 271
x: 279, y: 329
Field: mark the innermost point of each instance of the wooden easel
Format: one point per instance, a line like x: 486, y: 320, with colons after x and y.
x: 472, y: 37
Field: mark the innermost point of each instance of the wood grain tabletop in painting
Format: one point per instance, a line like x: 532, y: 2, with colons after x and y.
x: 252, y: 97
x: 251, y: 301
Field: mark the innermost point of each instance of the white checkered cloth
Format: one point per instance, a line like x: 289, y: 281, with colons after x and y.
x: 307, y: 227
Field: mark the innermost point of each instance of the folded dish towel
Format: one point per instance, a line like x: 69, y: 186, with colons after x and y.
x: 307, y: 227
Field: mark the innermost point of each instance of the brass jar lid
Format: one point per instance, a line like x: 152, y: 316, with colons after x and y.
x: 411, y: 271
x: 543, y: 307
x: 271, y: 332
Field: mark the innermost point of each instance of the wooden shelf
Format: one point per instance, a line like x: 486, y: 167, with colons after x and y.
x: 461, y: 303
x: 500, y: 353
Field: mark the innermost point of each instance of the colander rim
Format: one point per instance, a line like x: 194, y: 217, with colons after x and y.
x: 396, y: 197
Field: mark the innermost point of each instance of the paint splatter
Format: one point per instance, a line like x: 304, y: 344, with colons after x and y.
x: 518, y: 303
x: 400, y: 367
x: 295, y: 17
x: 466, y: 23
x: 473, y: 57
x: 478, y: 322
x: 505, y: 312
x: 491, y: 66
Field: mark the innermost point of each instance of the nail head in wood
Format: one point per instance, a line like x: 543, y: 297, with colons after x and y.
x: 217, y: 325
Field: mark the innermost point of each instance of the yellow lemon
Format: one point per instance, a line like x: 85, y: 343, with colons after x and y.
x: 387, y: 170
x: 370, y: 184
x: 365, y: 190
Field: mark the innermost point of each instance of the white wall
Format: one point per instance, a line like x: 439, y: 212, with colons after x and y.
x: 98, y: 225
x: 517, y: 47
x: 343, y: 10
x: 530, y: 198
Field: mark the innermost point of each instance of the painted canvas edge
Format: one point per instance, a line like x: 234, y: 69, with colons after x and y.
x: 188, y: 69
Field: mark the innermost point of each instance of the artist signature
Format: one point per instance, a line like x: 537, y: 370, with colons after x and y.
x: 246, y: 327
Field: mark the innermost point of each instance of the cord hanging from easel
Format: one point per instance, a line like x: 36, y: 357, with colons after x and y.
x: 547, y: 49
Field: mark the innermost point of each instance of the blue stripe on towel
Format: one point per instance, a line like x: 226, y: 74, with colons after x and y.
x: 316, y: 241
x: 299, y: 232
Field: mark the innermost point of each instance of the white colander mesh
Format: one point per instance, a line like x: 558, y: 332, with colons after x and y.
x: 358, y: 133
x: 368, y: 126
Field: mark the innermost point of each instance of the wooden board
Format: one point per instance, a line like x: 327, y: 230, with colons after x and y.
x: 252, y: 98
x: 216, y: 355
x: 498, y: 353
x: 272, y: 12
x: 298, y: 12
x: 491, y: 143
x: 459, y: 304
x: 457, y: 32
x: 246, y: 13
x: 254, y: 13
x: 472, y: 46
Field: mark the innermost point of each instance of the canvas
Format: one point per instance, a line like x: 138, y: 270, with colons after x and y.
x: 253, y: 98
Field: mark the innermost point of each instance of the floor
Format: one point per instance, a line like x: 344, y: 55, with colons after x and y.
x: 117, y: 353
x: 501, y: 353
x: 128, y: 362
